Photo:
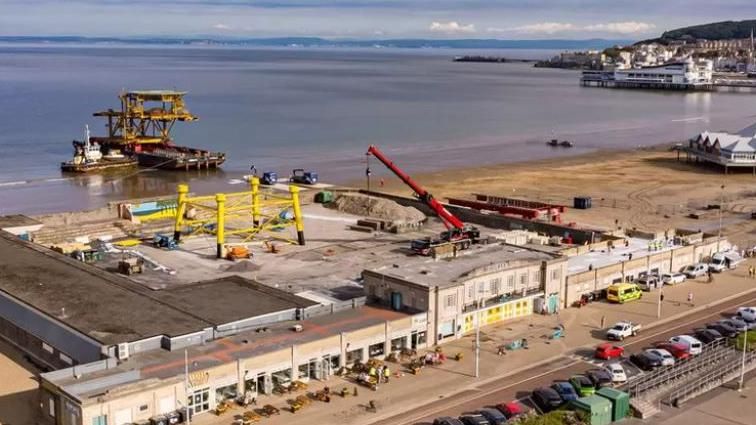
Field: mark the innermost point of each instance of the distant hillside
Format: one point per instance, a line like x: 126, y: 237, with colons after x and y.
x: 556, y: 44
x: 714, y: 31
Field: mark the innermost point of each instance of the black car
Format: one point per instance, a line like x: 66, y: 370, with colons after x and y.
x: 599, y: 377
x: 707, y: 336
x: 646, y: 361
x: 493, y: 415
x: 474, y: 419
x: 546, y: 399
x: 727, y: 330
x: 446, y: 420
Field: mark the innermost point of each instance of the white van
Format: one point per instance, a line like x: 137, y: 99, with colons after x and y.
x: 693, y: 346
x: 722, y: 261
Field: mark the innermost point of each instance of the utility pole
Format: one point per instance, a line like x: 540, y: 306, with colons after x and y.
x: 721, y: 207
x: 659, y: 303
x: 186, y: 387
x: 742, y: 364
x: 477, y: 336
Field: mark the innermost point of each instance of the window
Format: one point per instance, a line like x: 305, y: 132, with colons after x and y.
x: 451, y: 300
x: 51, y: 406
x: 199, y: 401
x: 523, y: 279
x: 481, y: 287
x: 144, y: 407
x: 555, y: 274
x: 376, y: 350
x: 65, y: 358
x: 354, y: 356
x: 537, y: 276
x: 47, y: 348
x: 100, y: 420
x: 510, y: 282
x: 471, y: 291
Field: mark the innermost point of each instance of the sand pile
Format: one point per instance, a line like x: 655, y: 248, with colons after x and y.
x: 381, y: 208
x: 243, y: 266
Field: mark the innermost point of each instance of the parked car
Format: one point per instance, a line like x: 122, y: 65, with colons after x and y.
x: 565, y: 390
x: 645, y: 361
x: 648, y: 282
x: 673, y: 278
x: 546, y: 399
x: 740, y: 323
x: 474, y: 419
x: 583, y: 385
x: 678, y: 351
x: 446, y: 420
x: 707, y: 336
x: 513, y: 409
x: 608, y: 351
x: 617, y: 371
x: 747, y: 313
x: 493, y: 416
x: 726, y: 329
x: 692, y: 345
x: 622, y: 330
x: 695, y: 270
x: 667, y: 359
x: 599, y: 377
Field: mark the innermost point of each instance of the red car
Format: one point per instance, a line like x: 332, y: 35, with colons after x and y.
x: 608, y: 351
x: 679, y: 351
x: 512, y: 409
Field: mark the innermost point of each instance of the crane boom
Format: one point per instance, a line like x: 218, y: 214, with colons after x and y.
x: 449, y: 219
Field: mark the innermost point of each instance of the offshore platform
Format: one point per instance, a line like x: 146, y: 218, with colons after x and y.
x: 139, y: 133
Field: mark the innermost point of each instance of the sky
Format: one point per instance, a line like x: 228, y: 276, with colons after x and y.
x: 503, y: 19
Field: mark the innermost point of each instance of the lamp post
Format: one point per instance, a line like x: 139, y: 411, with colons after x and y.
x: 721, y: 207
x: 742, y: 364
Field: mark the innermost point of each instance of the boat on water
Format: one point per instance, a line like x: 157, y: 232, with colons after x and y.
x: 88, y: 157
x: 563, y: 143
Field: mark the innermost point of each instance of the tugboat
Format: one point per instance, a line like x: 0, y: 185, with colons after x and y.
x: 566, y: 144
x: 89, y: 157
x: 553, y: 142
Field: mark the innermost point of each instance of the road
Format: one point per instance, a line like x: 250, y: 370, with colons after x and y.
x: 519, y: 386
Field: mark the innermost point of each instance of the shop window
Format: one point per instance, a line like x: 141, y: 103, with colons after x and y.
x: 100, y: 420
x: 354, y: 356
x: 398, y: 343
x: 376, y: 350
x: 303, y: 371
x: 199, y: 401
x: 422, y: 338
x: 229, y: 392
x: 282, y: 377
x: 335, y: 361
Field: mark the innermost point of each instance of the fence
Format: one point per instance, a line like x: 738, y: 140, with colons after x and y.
x: 713, y: 379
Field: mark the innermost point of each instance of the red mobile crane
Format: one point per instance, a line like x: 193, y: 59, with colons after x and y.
x: 457, y: 232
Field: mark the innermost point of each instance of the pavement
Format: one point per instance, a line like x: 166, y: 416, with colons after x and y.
x: 451, y: 388
x: 18, y: 387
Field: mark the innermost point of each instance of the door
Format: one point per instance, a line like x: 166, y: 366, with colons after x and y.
x: 413, y: 340
x: 123, y: 417
x: 199, y: 401
x: 166, y: 404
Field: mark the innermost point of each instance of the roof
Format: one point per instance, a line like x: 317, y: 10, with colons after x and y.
x: 738, y: 143
x: 605, y: 257
x: 16, y: 220
x: 150, y: 93
x: 476, y: 261
x: 156, y: 365
x: 112, y: 309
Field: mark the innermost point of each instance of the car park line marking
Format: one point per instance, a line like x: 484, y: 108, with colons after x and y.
x: 682, y: 325
x: 478, y: 392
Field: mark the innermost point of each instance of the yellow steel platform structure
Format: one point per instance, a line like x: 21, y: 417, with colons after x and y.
x: 217, y: 214
x: 146, y: 116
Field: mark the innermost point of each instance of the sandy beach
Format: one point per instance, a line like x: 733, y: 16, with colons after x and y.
x: 644, y: 188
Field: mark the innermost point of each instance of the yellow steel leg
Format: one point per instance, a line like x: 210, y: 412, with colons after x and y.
x: 297, y: 213
x: 220, y: 200
x: 183, y: 190
x: 256, y: 201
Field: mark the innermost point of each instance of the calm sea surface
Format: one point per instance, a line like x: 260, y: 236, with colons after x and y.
x: 319, y: 109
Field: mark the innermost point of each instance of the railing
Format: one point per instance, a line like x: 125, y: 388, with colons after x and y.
x: 712, y: 355
x: 712, y: 379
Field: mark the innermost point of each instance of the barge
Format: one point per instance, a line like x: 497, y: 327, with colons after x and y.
x: 167, y: 156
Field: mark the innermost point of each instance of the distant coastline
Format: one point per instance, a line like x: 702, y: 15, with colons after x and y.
x: 406, y: 43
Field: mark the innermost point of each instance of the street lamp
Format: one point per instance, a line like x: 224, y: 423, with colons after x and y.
x: 742, y: 364
x: 721, y: 207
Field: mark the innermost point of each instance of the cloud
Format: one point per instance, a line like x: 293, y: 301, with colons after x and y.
x: 452, y: 27
x: 546, y: 27
x: 222, y: 27
x: 629, y: 27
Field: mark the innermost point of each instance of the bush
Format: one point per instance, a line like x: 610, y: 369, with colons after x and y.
x: 559, y: 417
x: 751, y: 342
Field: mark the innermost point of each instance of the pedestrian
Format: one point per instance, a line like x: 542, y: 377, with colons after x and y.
x: 379, y: 374
x: 386, y: 374
x: 603, y: 321
x: 661, y: 296
x: 690, y: 298
x: 383, y: 182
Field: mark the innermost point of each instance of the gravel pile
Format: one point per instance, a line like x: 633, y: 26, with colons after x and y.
x: 380, y: 208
